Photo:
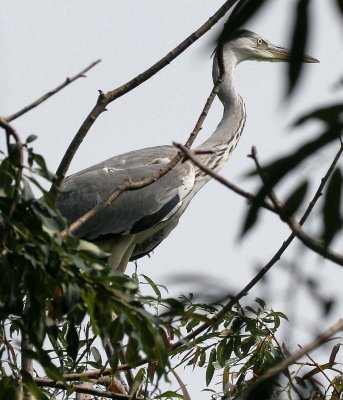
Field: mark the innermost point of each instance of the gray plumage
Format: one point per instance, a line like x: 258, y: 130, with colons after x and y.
x: 139, y: 220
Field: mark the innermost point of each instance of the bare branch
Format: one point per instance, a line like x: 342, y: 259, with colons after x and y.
x: 106, y: 98
x: 190, y: 155
x: 317, y: 366
x: 318, y: 341
x: 46, y: 96
x: 314, y: 244
x: 81, y: 389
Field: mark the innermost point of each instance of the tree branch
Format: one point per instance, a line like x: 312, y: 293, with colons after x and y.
x: 314, y: 244
x: 81, y: 389
x: 318, y: 341
x: 46, y: 96
x: 190, y: 155
x: 106, y: 98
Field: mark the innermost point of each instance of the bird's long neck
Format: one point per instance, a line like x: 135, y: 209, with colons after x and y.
x: 224, y: 139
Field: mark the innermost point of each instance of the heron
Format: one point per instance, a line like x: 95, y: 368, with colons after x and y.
x: 138, y: 221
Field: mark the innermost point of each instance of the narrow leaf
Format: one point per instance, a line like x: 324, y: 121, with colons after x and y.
x: 331, y: 213
x: 96, y: 355
x: 153, y: 285
x: 73, y: 341
x: 278, y: 169
x: 210, y: 367
x: 333, y: 354
x: 32, y: 387
x: 243, y: 11
x: 295, y: 199
x: 340, y: 5
x: 226, y: 377
x: 31, y: 138
x: 137, y: 382
x: 298, y: 46
x: 316, y: 370
x: 185, y: 393
x: 169, y: 395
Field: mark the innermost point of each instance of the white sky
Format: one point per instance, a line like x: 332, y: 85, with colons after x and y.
x: 44, y: 42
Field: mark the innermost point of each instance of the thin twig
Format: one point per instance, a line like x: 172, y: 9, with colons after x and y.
x: 81, y: 389
x: 46, y: 96
x: 312, y: 243
x: 190, y: 155
x: 26, y: 346
x: 318, y: 341
x: 318, y: 366
x: 105, y: 99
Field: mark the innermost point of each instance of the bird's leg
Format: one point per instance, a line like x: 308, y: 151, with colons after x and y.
x: 126, y: 258
x: 119, y: 248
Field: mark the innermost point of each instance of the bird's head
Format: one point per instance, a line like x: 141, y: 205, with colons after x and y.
x: 247, y: 45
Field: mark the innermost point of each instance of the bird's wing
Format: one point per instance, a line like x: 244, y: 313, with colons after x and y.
x: 134, y: 211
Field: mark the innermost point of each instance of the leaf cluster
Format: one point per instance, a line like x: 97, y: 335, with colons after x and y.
x: 50, y: 287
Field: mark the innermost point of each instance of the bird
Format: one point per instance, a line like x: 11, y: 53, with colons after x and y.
x: 139, y: 220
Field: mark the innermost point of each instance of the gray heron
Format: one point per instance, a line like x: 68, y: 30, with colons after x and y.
x: 138, y: 221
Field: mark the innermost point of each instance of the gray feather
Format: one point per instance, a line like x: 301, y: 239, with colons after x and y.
x: 92, y: 186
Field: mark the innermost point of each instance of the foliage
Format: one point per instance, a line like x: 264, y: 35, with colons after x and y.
x: 49, y: 285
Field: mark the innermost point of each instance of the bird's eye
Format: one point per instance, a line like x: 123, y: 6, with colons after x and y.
x: 259, y: 41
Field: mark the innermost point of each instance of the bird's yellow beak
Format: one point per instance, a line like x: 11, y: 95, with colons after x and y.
x: 280, y: 54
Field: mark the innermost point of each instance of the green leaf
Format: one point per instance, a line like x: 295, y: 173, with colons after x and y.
x: 132, y: 355
x: 8, y: 386
x: 31, y: 138
x: 137, y: 382
x: 261, y: 302
x: 330, y: 115
x: 221, y: 352
x: 247, y: 343
x: 32, y: 387
x: 243, y: 11
x: 153, y: 285
x: 299, y: 40
x: 53, y: 372
x: 300, y: 382
x: 226, y: 377
x: 185, y: 393
x: 91, y: 248
x: 277, y: 170
x: 332, y: 219
x: 295, y: 199
x: 73, y: 341
x: 339, y: 4
x: 169, y: 395
x: 210, y: 367
x: 96, y: 355
x: 202, y: 358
